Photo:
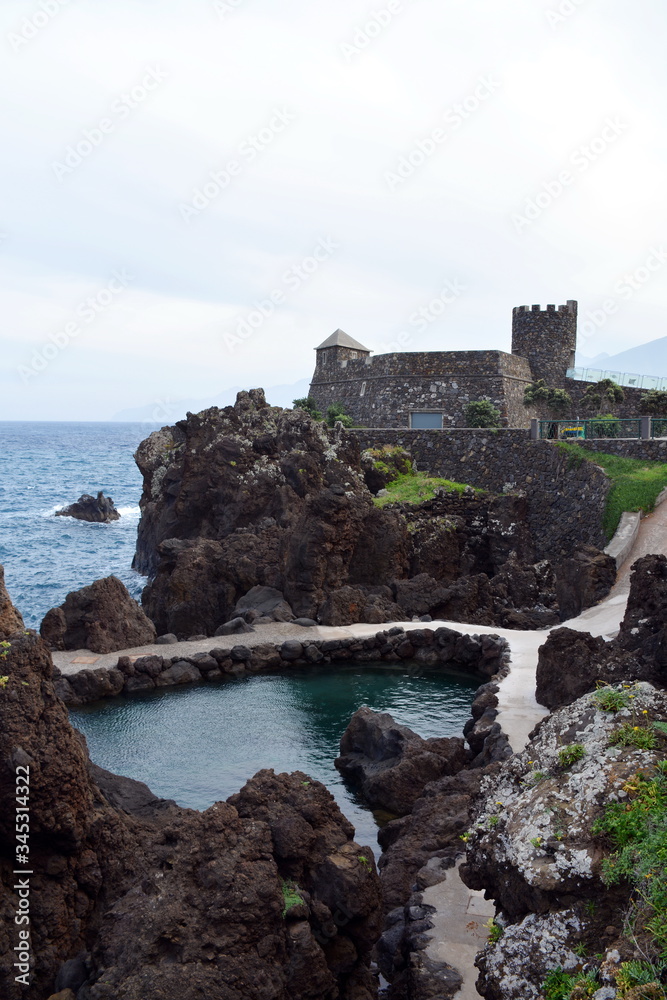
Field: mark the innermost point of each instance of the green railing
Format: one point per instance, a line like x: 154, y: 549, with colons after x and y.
x: 593, y: 429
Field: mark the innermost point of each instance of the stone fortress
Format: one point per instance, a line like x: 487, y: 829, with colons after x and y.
x: 431, y: 389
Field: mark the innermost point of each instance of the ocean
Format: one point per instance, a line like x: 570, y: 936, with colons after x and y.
x: 46, y: 466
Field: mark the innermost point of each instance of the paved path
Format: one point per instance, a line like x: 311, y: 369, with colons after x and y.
x: 458, y: 933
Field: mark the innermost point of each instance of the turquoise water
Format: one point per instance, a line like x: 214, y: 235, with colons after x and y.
x: 200, y: 744
x: 46, y: 466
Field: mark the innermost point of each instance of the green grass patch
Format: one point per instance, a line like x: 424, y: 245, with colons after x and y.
x: 569, y: 755
x: 638, y: 833
x: 291, y: 895
x: 610, y: 699
x: 416, y: 489
x: 636, y: 484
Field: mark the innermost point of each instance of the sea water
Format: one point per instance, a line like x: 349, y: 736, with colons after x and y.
x: 200, y: 744
x: 46, y: 466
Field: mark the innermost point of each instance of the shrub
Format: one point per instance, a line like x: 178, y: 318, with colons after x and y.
x: 336, y: 413
x: 557, y: 401
x: 308, y: 404
x: 569, y: 755
x: 655, y: 403
x: 604, y: 393
x: 495, y: 931
x: 482, y: 413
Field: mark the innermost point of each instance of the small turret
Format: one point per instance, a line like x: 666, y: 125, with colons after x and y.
x: 547, y: 338
x: 339, y: 347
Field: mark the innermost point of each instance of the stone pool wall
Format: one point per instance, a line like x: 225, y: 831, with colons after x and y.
x: 479, y: 656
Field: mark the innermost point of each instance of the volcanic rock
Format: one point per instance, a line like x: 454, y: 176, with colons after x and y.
x: 132, y: 896
x: 571, y: 662
x: 253, y: 510
x: 391, y: 764
x: 99, y: 509
x: 10, y: 619
x: 101, y: 617
x: 533, y: 849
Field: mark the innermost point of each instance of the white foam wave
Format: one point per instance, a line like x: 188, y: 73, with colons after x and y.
x: 129, y: 511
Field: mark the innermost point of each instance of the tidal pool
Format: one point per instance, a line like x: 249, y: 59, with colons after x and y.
x: 200, y: 744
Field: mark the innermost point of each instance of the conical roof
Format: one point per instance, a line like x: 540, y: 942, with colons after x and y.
x: 342, y: 339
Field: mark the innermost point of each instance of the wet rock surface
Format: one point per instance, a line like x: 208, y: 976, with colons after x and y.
x: 254, y: 499
x: 265, y: 897
x: 101, y: 617
x: 99, y: 509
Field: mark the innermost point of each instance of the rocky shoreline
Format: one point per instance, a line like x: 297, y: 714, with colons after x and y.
x: 253, y: 517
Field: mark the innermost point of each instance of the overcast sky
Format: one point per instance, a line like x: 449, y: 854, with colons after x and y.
x: 198, y: 192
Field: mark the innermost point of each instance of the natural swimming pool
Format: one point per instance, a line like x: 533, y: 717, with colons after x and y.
x: 200, y: 744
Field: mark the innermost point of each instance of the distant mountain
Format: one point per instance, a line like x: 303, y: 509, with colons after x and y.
x: 647, y: 359
x: 166, y: 410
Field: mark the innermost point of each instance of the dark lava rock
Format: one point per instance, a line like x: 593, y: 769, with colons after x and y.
x: 572, y: 663
x: 390, y: 764
x: 166, y: 640
x: 257, y: 512
x: 149, y: 901
x: 99, y: 509
x: 10, y: 619
x: 583, y: 580
x: 236, y: 625
x: 101, y: 617
x: 569, y: 664
x: 266, y: 602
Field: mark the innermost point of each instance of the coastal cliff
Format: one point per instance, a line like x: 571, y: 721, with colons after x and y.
x: 256, y: 496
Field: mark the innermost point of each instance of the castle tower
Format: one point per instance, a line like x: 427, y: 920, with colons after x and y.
x: 547, y: 338
x: 338, y: 347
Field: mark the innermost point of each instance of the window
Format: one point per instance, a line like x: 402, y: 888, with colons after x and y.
x: 426, y: 421
x: 363, y: 389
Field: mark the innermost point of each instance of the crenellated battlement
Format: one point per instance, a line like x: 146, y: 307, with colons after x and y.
x: 570, y: 307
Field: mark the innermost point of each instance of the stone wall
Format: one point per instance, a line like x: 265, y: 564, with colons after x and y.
x: 565, y: 503
x: 383, y: 390
x: 477, y: 656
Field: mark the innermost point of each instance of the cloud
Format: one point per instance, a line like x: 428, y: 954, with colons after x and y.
x: 223, y: 77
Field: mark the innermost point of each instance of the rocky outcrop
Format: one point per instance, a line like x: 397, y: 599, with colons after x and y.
x: 10, y: 619
x: 253, y: 496
x: 534, y: 851
x: 264, y: 897
x: 583, y: 580
x: 571, y: 662
x: 99, y: 509
x: 390, y: 764
x: 101, y: 617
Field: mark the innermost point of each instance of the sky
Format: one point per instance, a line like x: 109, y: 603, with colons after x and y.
x: 196, y: 193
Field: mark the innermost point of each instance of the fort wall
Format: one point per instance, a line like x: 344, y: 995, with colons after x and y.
x: 565, y: 504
